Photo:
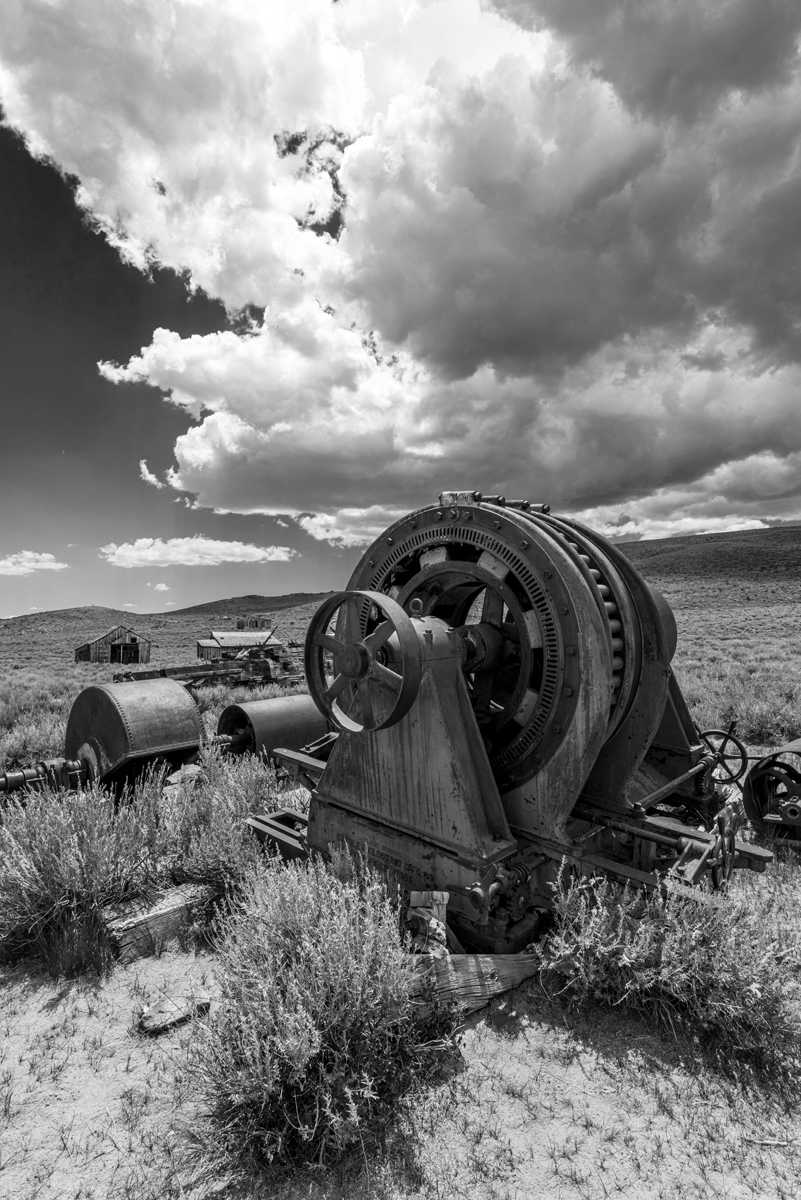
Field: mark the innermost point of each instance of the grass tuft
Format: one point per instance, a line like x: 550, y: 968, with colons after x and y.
x: 63, y: 857
x: 701, y: 968
x: 314, y: 1043
x: 204, y: 826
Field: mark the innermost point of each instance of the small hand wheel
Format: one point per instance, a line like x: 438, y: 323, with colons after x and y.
x: 728, y: 750
x: 376, y: 659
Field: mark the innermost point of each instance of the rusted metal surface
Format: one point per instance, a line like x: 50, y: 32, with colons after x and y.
x: 259, y: 726
x: 115, y: 727
x: 772, y: 793
x: 500, y: 682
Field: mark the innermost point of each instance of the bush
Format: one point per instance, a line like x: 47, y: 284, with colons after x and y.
x: 204, y: 826
x: 314, y: 1042
x: 704, y: 969
x: 63, y: 856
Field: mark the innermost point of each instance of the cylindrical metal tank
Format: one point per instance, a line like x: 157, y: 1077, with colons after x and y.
x: 262, y: 726
x: 115, y: 726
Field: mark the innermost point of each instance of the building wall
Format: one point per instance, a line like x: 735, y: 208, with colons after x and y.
x: 118, y: 645
x: 255, y: 621
x: 209, y: 653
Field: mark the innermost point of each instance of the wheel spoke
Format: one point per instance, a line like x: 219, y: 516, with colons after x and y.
x: 386, y: 675
x: 337, y: 687
x: 492, y: 608
x: 325, y: 641
x: 379, y: 636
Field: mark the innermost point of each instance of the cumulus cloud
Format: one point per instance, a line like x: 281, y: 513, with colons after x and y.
x: 543, y: 247
x: 147, y: 476
x: 194, y: 551
x: 158, y: 587
x: 25, y: 562
x: 673, y: 57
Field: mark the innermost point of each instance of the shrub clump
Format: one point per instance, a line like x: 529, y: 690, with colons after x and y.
x: 204, y: 826
x: 63, y: 857
x: 701, y: 967
x: 315, y: 1039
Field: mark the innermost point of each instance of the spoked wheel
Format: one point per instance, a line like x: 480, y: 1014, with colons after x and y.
x: 730, y: 753
x: 772, y: 798
x: 363, y: 661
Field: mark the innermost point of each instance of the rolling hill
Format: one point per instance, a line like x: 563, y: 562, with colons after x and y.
x: 759, y: 567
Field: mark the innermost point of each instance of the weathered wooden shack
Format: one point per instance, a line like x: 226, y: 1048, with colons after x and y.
x: 117, y: 645
x: 255, y: 621
x: 228, y: 643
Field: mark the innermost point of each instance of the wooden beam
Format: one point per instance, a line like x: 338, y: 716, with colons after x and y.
x: 140, y: 927
x: 158, y: 1018
x: 470, y: 981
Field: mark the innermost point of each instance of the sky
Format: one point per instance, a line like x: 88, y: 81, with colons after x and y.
x: 275, y: 274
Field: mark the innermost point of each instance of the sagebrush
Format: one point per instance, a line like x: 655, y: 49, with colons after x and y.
x: 702, y: 967
x: 64, y: 856
x: 315, y: 1041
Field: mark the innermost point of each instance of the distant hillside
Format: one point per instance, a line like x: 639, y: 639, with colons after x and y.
x: 757, y: 554
x: 240, y: 606
x: 97, y: 618
x: 50, y: 638
x: 760, y: 566
x: 94, y: 617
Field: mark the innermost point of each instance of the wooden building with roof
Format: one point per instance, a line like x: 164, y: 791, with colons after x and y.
x: 117, y: 645
x: 231, y: 643
x: 255, y: 621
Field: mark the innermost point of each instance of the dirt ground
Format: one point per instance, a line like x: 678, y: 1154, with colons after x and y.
x: 535, y: 1104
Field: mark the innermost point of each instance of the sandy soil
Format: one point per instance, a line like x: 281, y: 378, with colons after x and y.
x: 535, y: 1104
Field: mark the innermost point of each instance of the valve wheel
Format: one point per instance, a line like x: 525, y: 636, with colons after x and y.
x: 729, y: 752
x: 375, y: 664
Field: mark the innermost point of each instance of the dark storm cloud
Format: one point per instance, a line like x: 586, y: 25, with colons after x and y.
x: 568, y: 261
x: 673, y: 57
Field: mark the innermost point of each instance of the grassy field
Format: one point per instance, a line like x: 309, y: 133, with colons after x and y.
x: 544, y: 1095
x: 737, y: 602
x: 736, y: 597
x: 39, y: 679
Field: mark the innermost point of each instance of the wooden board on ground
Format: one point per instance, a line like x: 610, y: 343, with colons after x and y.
x: 470, y: 981
x: 169, y: 1013
x: 143, y: 926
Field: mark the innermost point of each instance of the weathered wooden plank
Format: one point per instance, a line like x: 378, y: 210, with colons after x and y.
x: 158, y: 1018
x: 470, y: 981
x: 141, y: 927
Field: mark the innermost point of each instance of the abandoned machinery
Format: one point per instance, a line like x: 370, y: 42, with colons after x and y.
x: 772, y: 794
x: 491, y: 696
x: 499, y: 684
x: 115, y: 730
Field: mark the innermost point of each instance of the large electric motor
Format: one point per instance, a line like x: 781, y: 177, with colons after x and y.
x: 501, y: 682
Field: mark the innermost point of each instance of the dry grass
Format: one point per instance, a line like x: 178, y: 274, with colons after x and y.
x: 65, y: 856
x: 704, y: 969
x: 546, y: 1100
x: 314, y: 1047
